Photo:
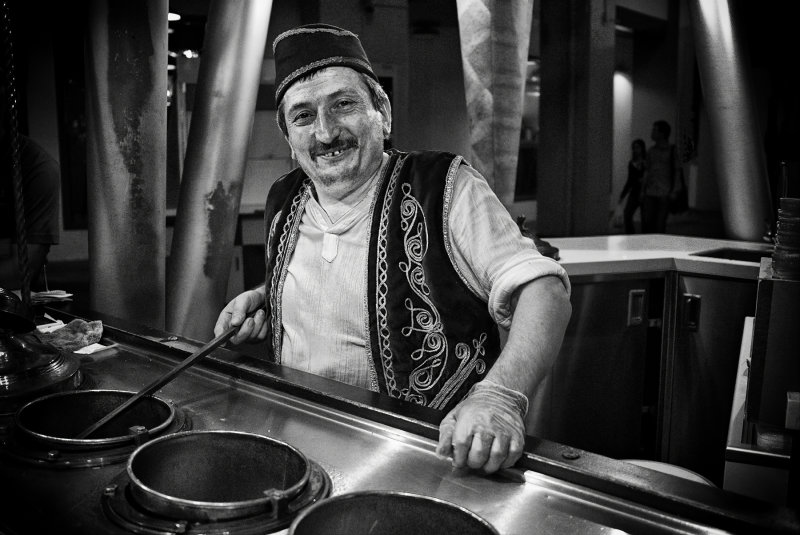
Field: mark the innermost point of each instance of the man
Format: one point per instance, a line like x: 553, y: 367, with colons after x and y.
x: 391, y: 270
x: 41, y: 186
x: 661, y: 178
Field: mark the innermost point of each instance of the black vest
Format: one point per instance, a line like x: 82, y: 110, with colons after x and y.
x: 430, y: 336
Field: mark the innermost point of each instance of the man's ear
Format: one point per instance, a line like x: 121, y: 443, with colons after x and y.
x: 386, y: 113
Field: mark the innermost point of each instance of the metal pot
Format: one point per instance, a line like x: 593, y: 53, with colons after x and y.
x: 55, y: 420
x: 387, y: 513
x: 29, y: 368
x: 216, y: 475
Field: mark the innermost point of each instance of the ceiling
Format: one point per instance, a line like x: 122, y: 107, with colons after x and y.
x: 425, y: 16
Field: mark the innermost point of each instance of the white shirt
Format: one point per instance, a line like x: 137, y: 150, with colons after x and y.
x: 324, y: 295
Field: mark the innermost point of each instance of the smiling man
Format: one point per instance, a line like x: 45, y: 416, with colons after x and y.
x: 395, y: 271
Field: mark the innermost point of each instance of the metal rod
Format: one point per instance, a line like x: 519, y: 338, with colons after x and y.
x: 161, y: 381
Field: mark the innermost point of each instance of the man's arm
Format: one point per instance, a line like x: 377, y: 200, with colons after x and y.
x: 540, y: 319
x: 486, y: 430
x: 526, y: 293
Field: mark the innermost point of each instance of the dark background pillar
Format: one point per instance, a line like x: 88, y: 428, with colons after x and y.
x: 126, y: 91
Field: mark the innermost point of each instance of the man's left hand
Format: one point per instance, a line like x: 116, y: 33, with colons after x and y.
x: 486, y: 430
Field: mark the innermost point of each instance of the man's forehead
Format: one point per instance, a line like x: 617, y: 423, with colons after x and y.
x: 323, y: 84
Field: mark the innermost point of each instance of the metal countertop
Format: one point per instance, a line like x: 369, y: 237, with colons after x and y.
x: 363, y: 446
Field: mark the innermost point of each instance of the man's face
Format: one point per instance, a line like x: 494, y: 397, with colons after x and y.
x: 333, y: 128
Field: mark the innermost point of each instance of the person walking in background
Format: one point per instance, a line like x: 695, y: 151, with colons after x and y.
x: 661, y: 177
x: 633, y: 186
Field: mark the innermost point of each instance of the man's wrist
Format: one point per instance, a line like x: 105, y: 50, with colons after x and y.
x: 515, y: 398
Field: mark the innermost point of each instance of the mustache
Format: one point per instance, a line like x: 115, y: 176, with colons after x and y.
x: 338, y: 144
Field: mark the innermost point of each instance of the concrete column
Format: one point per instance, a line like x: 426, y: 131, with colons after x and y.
x: 576, y: 117
x: 126, y: 91
x: 495, y: 35
x: 737, y: 147
x: 216, y: 151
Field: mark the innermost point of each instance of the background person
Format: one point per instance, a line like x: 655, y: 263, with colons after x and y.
x: 391, y: 270
x: 661, y: 179
x: 633, y: 185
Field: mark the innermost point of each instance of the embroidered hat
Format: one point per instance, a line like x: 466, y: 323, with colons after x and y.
x: 309, y: 48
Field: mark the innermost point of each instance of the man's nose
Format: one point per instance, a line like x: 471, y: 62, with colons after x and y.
x: 326, y: 128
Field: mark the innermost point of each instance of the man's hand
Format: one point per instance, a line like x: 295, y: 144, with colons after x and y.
x: 252, y: 328
x: 486, y: 430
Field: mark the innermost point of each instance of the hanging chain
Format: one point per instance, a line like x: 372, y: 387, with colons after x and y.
x: 13, y: 135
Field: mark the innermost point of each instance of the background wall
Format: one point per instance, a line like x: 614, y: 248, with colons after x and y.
x: 415, y: 43
x: 428, y: 99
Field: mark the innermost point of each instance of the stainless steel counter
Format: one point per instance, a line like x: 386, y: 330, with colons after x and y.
x: 365, y: 441
x: 641, y: 253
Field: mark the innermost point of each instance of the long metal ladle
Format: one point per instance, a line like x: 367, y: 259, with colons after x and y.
x: 161, y: 381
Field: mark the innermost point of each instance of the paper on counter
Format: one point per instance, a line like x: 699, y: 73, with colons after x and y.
x: 93, y: 348
x: 50, y: 327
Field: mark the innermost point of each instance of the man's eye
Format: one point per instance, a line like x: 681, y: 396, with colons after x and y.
x: 344, y: 103
x: 302, y: 118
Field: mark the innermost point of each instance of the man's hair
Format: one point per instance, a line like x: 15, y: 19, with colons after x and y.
x: 663, y: 127
x: 378, y: 96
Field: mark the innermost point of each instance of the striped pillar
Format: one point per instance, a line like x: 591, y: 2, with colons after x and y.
x: 494, y: 49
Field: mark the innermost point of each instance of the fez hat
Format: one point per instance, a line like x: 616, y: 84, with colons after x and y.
x: 305, y: 49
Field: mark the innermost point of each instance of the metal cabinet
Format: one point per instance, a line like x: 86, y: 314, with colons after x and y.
x: 704, y: 320
x: 604, y: 382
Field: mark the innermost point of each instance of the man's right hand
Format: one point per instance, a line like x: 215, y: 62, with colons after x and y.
x: 236, y: 313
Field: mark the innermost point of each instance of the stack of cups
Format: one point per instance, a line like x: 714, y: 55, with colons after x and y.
x: 786, y: 255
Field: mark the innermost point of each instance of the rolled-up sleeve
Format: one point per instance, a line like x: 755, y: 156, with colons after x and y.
x: 489, y: 250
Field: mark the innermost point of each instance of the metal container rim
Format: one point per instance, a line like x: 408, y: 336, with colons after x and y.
x: 285, y: 494
x: 92, y: 441
x: 391, y: 494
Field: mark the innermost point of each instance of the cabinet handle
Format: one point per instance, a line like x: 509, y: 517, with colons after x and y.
x: 636, y: 310
x: 691, y: 312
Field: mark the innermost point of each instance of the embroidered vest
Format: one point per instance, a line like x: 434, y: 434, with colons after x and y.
x: 430, y: 337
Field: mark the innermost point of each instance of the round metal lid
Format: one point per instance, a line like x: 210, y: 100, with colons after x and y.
x: 56, y: 419
x: 121, y: 509
x: 388, y: 513
x: 29, y: 369
x: 216, y: 475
